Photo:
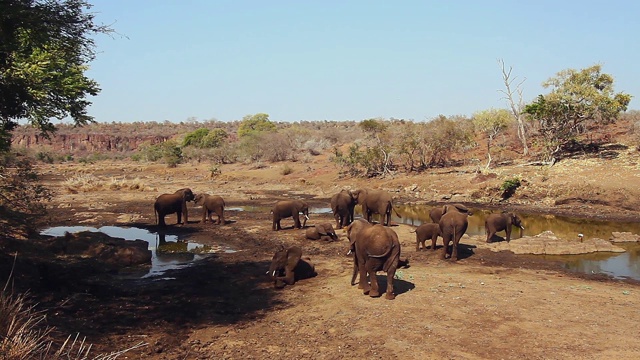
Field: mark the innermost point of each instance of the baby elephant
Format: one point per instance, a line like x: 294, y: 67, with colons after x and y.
x: 323, y: 231
x: 503, y: 221
x: 288, y: 266
x: 211, y: 204
x: 427, y: 231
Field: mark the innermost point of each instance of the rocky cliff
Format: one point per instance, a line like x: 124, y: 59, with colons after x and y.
x: 80, y: 143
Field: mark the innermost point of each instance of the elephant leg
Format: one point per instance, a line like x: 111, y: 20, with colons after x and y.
x: 204, y: 215
x: 434, y: 239
x: 355, y: 272
x: 454, y: 249
x: 390, y: 275
x: 276, y: 225
x: 179, y: 216
x: 221, y: 219
x: 508, y: 231
x: 364, y: 285
x: 490, y: 235
x: 289, y: 276
x: 445, y: 241
x: 375, y: 291
x: 296, y: 222
x: 418, y: 245
x: 338, y: 218
x: 161, y: 220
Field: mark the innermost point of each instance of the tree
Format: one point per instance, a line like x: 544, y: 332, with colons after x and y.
x: 45, y: 46
x: 492, y: 122
x: 578, y: 99
x: 517, y: 108
x: 254, y: 124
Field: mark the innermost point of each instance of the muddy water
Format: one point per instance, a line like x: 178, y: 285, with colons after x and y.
x: 167, y: 251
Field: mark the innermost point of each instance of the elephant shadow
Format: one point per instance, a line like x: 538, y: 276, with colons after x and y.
x: 399, y: 286
x: 465, y: 250
x: 497, y: 238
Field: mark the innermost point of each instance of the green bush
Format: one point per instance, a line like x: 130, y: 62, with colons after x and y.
x: 509, y: 187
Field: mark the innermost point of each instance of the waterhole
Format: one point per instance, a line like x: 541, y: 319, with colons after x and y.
x: 167, y: 251
x: 617, y: 265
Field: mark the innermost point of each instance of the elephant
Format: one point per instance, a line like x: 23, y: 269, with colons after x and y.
x: 322, y: 231
x: 288, y: 266
x: 211, y: 204
x: 173, y: 203
x: 342, y: 206
x: 374, y: 248
x: 453, y: 224
x: 290, y: 208
x: 375, y: 202
x: 427, y: 231
x: 436, y: 213
x: 503, y: 221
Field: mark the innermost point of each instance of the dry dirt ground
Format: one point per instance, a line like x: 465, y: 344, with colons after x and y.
x: 485, y: 306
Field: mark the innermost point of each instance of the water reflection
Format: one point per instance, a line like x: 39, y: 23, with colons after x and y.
x: 167, y: 251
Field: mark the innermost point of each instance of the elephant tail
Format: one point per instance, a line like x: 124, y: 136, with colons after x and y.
x: 395, y: 211
x: 383, y: 255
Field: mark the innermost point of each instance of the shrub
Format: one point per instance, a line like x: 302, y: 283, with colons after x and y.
x: 286, y: 170
x: 509, y: 187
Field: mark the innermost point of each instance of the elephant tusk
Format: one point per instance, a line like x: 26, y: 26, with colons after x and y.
x: 306, y: 217
x: 274, y: 273
x: 522, y: 227
x: 267, y: 273
x: 349, y: 252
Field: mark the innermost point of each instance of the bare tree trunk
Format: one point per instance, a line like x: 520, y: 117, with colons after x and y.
x: 516, y: 109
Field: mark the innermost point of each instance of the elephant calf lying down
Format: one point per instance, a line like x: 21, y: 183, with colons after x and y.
x: 323, y: 231
x: 288, y: 266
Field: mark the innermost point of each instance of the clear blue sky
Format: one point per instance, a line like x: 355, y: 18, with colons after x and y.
x: 347, y: 60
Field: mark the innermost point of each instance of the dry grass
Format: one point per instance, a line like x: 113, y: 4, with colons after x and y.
x: 90, y: 182
x: 24, y: 334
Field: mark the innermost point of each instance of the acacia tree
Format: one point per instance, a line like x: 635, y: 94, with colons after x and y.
x: 578, y: 99
x: 492, y: 122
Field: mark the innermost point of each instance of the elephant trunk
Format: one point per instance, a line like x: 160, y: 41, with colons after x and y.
x: 521, y: 230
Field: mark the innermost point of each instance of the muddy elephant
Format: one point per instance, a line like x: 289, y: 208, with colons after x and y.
x: 375, y: 248
x: 503, y: 221
x: 427, y: 231
x: 288, y: 266
x: 173, y: 203
x: 342, y: 206
x: 375, y: 202
x: 453, y: 224
x: 211, y: 204
x: 436, y: 213
x: 290, y: 208
x: 322, y: 231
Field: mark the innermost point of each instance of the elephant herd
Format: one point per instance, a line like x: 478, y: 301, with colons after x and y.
x: 374, y: 246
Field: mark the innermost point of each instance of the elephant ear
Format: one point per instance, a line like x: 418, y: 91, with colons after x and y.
x: 293, y: 256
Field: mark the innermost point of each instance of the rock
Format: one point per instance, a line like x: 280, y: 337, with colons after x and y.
x: 546, y: 243
x: 112, y: 251
x: 624, y: 237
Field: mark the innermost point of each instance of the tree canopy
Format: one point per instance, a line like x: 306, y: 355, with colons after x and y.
x: 255, y: 124
x: 45, y: 46
x: 491, y: 122
x: 578, y: 99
